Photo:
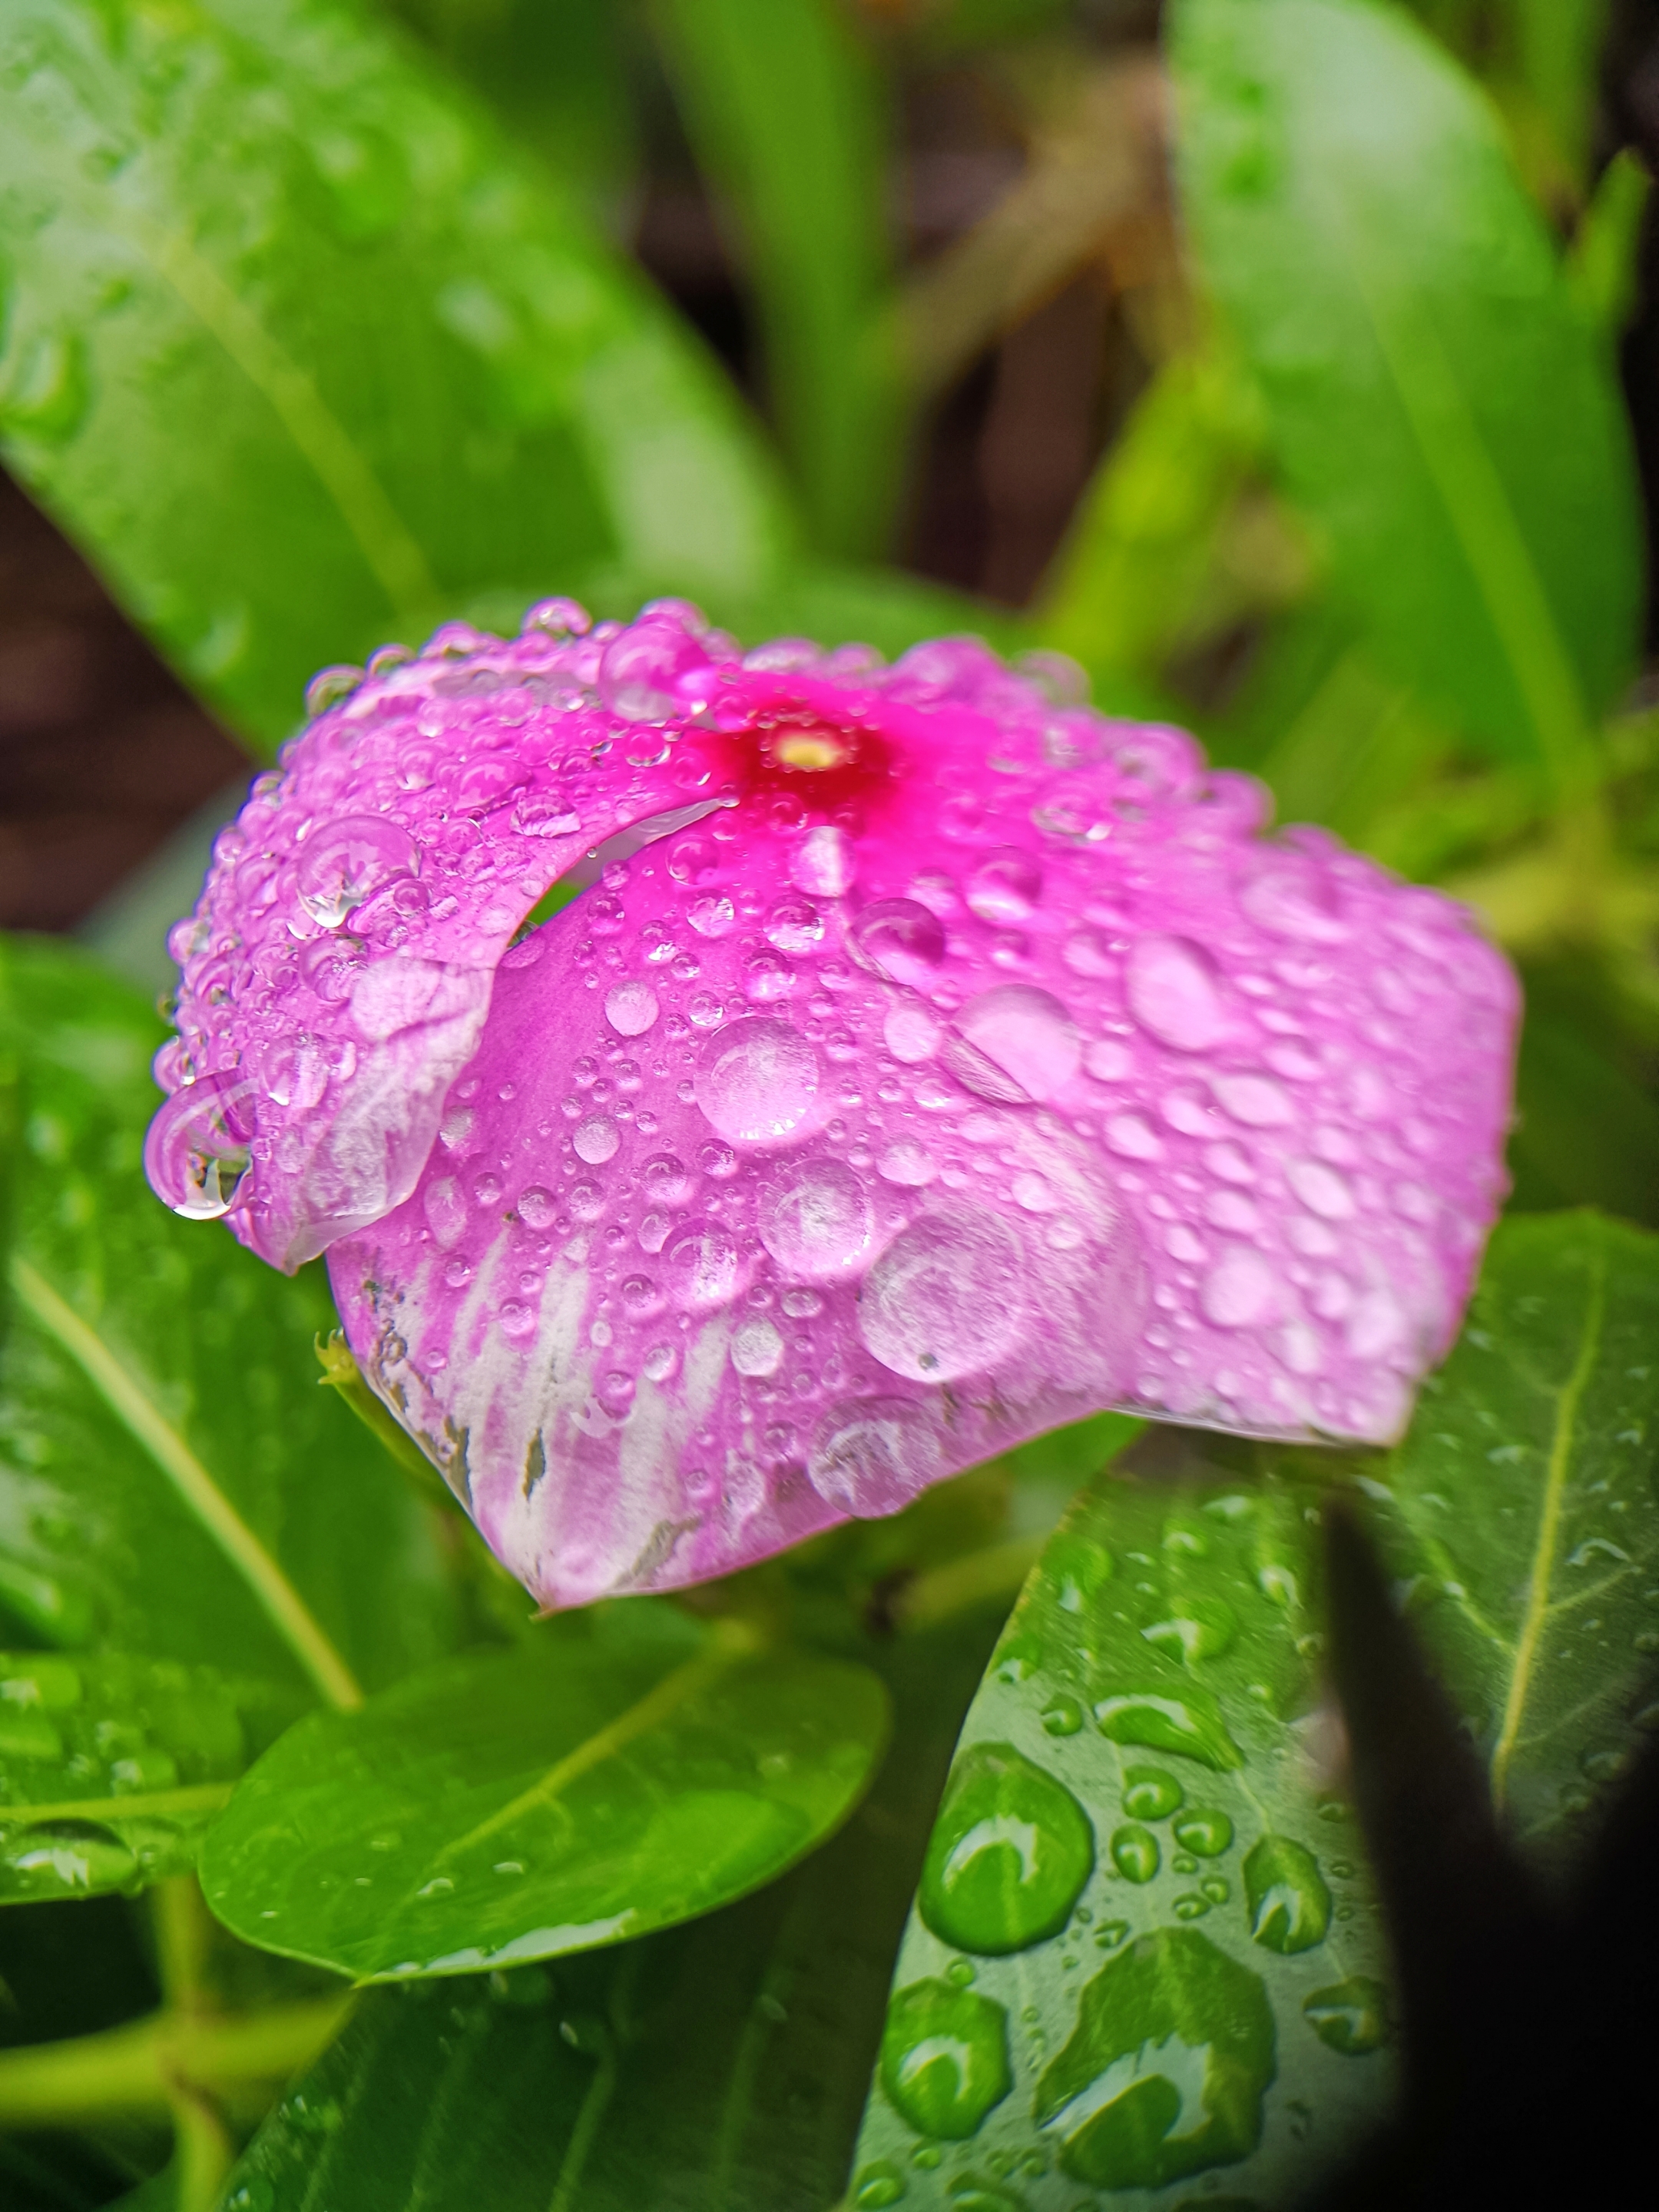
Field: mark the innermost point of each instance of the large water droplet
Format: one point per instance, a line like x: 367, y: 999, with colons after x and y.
x: 1165, y: 2072
x: 1204, y: 1832
x: 596, y: 1139
x: 64, y: 1858
x: 1135, y: 1852
x: 642, y: 669
x: 1289, y: 1906
x: 817, y: 1222
x: 1015, y: 1043
x: 195, y: 1150
x: 757, y: 1080
x: 947, y: 1297
x: 756, y: 1347
x: 1150, y: 1794
x: 1006, y: 885
x: 1199, y: 1628
x: 1190, y: 1723
x: 1008, y: 1856
x: 1174, y: 995
x: 899, y: 939
x: 630, y: 1007
x: 1350, y: 2017
x: 342, y: 861
x: 871, y: 1456
x: 702, y: 1268
x: 944, y: 2058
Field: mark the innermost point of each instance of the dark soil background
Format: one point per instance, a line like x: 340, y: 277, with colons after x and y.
x: 103, y: 753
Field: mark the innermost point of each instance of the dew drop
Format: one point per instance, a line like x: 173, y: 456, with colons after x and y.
x: 875, y: 2187
x: 596, y: 1139
x: 1199, y: 1628
x: 1172, y: 991
x: 1323, y: 1190
x: 702, y: 1268
x: 1150, y: 1793
x: 943, y: 2061
x: 1135, y: 1852
x: 631, y: 1007
x: 817, y: 1222
x: 1289, y: 1906
x: 342, y: 861
x: 195, y: 1150
x: 1006, y: 885
x: 1013, y: 1044
x: 871, y: 1456
x: 1241, y: 1291
x: 1008, y: 1856
x: 1254, y: 1101
x: 1204, y: 1832
x: 1350, y: 2017
x: 64, y: 1858
x: 536, y: 1207
x: 757, y: 1080
x: 756, y: 1347
x: 1190, y: 1723
x: 911, y: 1032
x: 1062, y: 1716
x: 947, y: 1297
x: 824, y: 863
x: 900, y: 941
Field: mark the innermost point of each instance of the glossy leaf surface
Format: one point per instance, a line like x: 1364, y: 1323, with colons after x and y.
x: 786, y: 110
x: 1139, y: 1904
x: 628, y: 1770
x: 717, y: 2067
x: 1161, y: 1678
x: 1437, y: 403
x: 408, y: 371
x: 174, y: 1484
x: 111, y: 1769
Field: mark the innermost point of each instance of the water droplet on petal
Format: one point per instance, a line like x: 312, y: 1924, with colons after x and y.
x: 824, y: 863
x: 947, y: 1297
x: 907, y: 1163
x: 596, y: 1139
x: 1011, y: 1851
x: 195, y: 1150
x: 757, y: 1080
x: 1006, y: 885
x: 630, y: 1007
x: 794, y: 927
x: 1021, y: 1045
x: 871, y: 1456
x: 899, y: 939
x: 1174, y: 995
x: 756, y: 1347
x: 545, y: 814
x: 1256, y: 1100
x: 817, y: 1222
x: 342, y: 861
x: 1323, y: 1190
x: 536, y: 1207
x: 702, y: 1267
x: 911, y: 1032
x: 1241, y: 1291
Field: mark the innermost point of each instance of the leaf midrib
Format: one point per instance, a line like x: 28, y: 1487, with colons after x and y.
x: 1568, y: 1398
x: 132, y: 1405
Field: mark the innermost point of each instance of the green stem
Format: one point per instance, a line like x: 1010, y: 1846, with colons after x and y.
x: 943, y: 1591
x: 131, y: 2072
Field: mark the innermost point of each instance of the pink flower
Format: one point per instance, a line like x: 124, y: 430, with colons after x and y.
x: 933, y: 1062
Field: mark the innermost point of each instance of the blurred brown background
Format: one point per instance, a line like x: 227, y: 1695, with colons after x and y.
x: 103, y: 753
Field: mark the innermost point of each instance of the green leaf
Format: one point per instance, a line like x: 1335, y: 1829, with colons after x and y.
x: 1137, y: 1907
x: 174, y: 1482
x: 715, y: 2067
x: 628, y: 1770
x: 786, y: 111
x: 1438, y: 405
x: 1143, y: 1773
x: 111, y: 1769
x: 304, y: 356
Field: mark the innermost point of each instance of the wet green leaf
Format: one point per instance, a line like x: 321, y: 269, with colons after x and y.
x: 1136, y: 1883
x: 111, y: 1769
x: 174, y: 1482
x: 787, y: 110
x: 628, y: 1770
x: 1438, y: 405
x: 305, y: 355
x: 1200, y: 1986
x: 716, y: 2067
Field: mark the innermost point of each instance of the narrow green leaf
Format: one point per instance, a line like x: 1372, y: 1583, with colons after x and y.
x: 1145, y: 1771
x: 303, y: 356
x: 787, y: 110
x: 1605, y: 267
x: 172, y: 1482
x: 111, y: 1769
x: 715, y: 2067
x: 628, y: 1770
x: 1437, y: 405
